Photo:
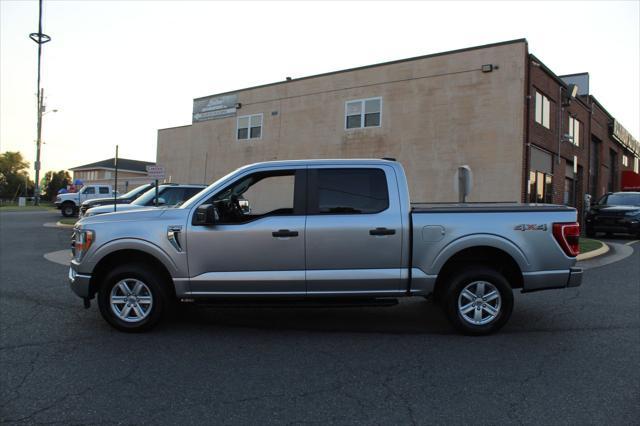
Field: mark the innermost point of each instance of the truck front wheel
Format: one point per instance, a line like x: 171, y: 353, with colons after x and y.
x: 478, y: 301
x: 68, y: 209
x: 133, y: 298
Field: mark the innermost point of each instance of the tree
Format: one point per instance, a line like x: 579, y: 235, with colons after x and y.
x: 54, y: 182
x: 14, y: 175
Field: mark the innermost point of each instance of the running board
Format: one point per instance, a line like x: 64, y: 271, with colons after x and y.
x: 292, y: 304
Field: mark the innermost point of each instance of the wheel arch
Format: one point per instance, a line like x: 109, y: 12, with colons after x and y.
x: 485, y: 255
x: 127, y: 256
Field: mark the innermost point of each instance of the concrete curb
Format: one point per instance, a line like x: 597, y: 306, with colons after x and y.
x: 63, y: 225
x: 594, y: 253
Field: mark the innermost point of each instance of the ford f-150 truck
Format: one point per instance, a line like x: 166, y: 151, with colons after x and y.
x: 322, y: 232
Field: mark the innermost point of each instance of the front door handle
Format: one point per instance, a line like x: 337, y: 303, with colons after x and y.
x: 382, y: 231
x: 284, y: 233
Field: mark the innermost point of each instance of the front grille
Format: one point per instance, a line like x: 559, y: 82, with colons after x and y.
x: 612, y: 214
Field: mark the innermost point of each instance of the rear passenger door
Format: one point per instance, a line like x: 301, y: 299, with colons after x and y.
x: 353, y: 232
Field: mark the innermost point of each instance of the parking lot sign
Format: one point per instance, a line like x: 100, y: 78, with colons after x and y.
x: 155, y: 172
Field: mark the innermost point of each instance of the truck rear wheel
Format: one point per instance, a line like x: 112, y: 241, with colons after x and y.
x: 133, y: 298
x: 68, y: 209
x: 478, y: 300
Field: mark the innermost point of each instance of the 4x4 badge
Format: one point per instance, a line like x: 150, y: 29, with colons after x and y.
x: 531, y: 227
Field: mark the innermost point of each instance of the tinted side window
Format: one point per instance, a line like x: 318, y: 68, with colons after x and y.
x: 104, y: 189
x: 90, y: 190
x: 352, y: 191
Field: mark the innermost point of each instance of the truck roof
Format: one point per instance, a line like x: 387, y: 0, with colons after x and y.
x: 325, y: 161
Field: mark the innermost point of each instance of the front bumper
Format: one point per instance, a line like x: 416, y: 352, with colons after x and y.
x: 80, y: 283
x: 547, y: 280
x: 629, y: 225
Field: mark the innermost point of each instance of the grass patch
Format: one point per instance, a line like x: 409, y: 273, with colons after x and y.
x: 69, y: 220
x: 587, y: 245
x: 13, y: 206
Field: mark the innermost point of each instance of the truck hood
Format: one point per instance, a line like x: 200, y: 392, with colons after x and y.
x: 121, y: 208
x: 613, y: 209
x: 103, y: 201
x: 137, y: 213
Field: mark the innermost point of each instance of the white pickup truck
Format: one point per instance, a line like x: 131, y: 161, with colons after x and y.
x: 70, y: 203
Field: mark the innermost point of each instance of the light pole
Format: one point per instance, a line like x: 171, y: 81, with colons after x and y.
x: 40, y: 39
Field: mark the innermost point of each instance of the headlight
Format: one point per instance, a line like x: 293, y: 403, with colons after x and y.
x: 57, y: 199
x: 82, y: 241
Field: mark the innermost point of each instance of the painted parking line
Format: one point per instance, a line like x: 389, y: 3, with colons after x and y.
x: 61, y: 257
x: 631, y: 242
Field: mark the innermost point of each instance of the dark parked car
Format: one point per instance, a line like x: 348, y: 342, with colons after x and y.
x: 123, y: 199
x: 617, y: 212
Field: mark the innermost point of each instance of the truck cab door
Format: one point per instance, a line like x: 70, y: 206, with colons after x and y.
x: 86, y: 193
x: 354, y: 231
x: 256, y: 246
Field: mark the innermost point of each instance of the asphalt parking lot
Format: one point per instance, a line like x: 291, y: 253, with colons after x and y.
x: 566, y: 356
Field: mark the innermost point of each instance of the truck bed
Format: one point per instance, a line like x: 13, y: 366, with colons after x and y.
x: 486, y: 208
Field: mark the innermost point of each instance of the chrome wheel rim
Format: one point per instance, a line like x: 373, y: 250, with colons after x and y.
x: 479, y: 303
x: 131, y: 300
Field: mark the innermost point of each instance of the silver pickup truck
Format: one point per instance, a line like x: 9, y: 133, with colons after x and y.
x: 324, y: 232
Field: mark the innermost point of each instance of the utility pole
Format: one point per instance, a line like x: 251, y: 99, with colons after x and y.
x: 40, y: 39
x: 115, y: 182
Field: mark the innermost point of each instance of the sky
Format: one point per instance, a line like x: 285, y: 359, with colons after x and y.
x: 117, y: 71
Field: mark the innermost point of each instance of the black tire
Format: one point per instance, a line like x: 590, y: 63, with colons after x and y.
x: 68, y: 209
x: 155, y: 287
x: 470, y: 276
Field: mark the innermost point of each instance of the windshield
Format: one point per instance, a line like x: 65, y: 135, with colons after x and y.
x: 623, y: 200
x: 193, y: 199
x: 145, y: 198
x: 137, y: 191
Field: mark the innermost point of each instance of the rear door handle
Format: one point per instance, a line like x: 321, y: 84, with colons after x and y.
x: 284, y: 233
x: 382, y: 231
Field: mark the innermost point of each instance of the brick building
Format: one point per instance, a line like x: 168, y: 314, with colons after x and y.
x: 526, y: 133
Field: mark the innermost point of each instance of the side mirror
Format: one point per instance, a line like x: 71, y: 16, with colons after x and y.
x: 161, y: 201
x: 205, y: 215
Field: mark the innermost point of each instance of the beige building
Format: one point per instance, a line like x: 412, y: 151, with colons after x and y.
x: 131, y: 173
x: 525, y: 133
x: 431, y: 113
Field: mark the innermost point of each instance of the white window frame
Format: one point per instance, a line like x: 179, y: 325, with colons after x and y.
x: 249, y: 138
x: 544, y: 101
x: 625, y: 160
x: 573, y: 123
x: 362, y: 113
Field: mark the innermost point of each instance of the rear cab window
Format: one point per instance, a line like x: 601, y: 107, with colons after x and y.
x: 348, y: 191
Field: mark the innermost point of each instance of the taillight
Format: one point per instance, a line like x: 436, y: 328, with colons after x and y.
x: 568, y: 236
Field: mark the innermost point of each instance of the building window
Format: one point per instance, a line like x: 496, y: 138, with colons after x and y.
x: 249, y: 127
x: 543, y: 108
x: 636, y: 164
x: 540, y: 187
x: 625, y: 161
x: 574, y: 131
x: 363, y: 113
x: 107, y: 175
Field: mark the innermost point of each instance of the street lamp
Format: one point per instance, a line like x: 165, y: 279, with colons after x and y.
x: 40, y: 38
